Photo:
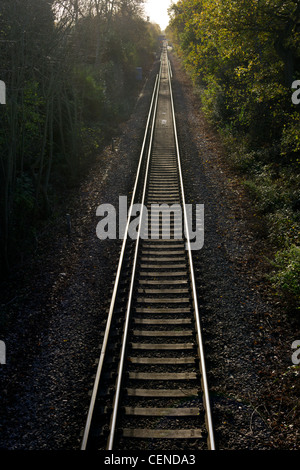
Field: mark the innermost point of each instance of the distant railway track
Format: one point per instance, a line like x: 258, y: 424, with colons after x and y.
x: 150, y: 389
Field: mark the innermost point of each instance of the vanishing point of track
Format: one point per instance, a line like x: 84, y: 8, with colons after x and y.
x: 150, y: 389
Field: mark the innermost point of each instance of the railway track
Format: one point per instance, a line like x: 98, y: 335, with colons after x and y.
x: 150, y: 389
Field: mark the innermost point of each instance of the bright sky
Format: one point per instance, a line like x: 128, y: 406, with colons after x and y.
x: 158, y: 11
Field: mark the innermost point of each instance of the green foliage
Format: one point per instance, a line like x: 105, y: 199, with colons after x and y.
x: 92, y: 94
x: 290, y: 140
x: 287, y: 273
x: 70, y: 73
x: 32, y: 120
x: 243, y: 57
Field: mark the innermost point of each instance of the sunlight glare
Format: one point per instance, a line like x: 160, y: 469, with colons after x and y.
x: 157, y: 10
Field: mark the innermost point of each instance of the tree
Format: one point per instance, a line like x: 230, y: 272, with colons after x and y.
x: 62, y: 62
x: 244, y: 56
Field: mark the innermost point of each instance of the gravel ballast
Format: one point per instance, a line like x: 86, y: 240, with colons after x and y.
x: 56, y: 304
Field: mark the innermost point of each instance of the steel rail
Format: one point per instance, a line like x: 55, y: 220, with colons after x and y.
x: 128, y: 309
x: 193, y: 284
x: 149, y: 138
x: 117, y: 279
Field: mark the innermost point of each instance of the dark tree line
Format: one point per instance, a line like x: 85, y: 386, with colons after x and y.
x: 70, y: 72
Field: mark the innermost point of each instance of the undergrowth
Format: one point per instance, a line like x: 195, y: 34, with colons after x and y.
x: 274, y: 189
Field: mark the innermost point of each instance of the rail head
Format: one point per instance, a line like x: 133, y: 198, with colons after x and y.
x: 211, y: 439
x: 149, y: 131
x: 117, y: 279
x: 132, y: 279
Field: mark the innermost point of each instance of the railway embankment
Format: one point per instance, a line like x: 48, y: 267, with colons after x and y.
x: 57, y: 304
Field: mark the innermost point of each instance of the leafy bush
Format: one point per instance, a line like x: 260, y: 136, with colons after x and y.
x: 290, y: 140
x: 69, y: 68
x: 287, y: 273
x: 243, y: 57
x: 92, y: 94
